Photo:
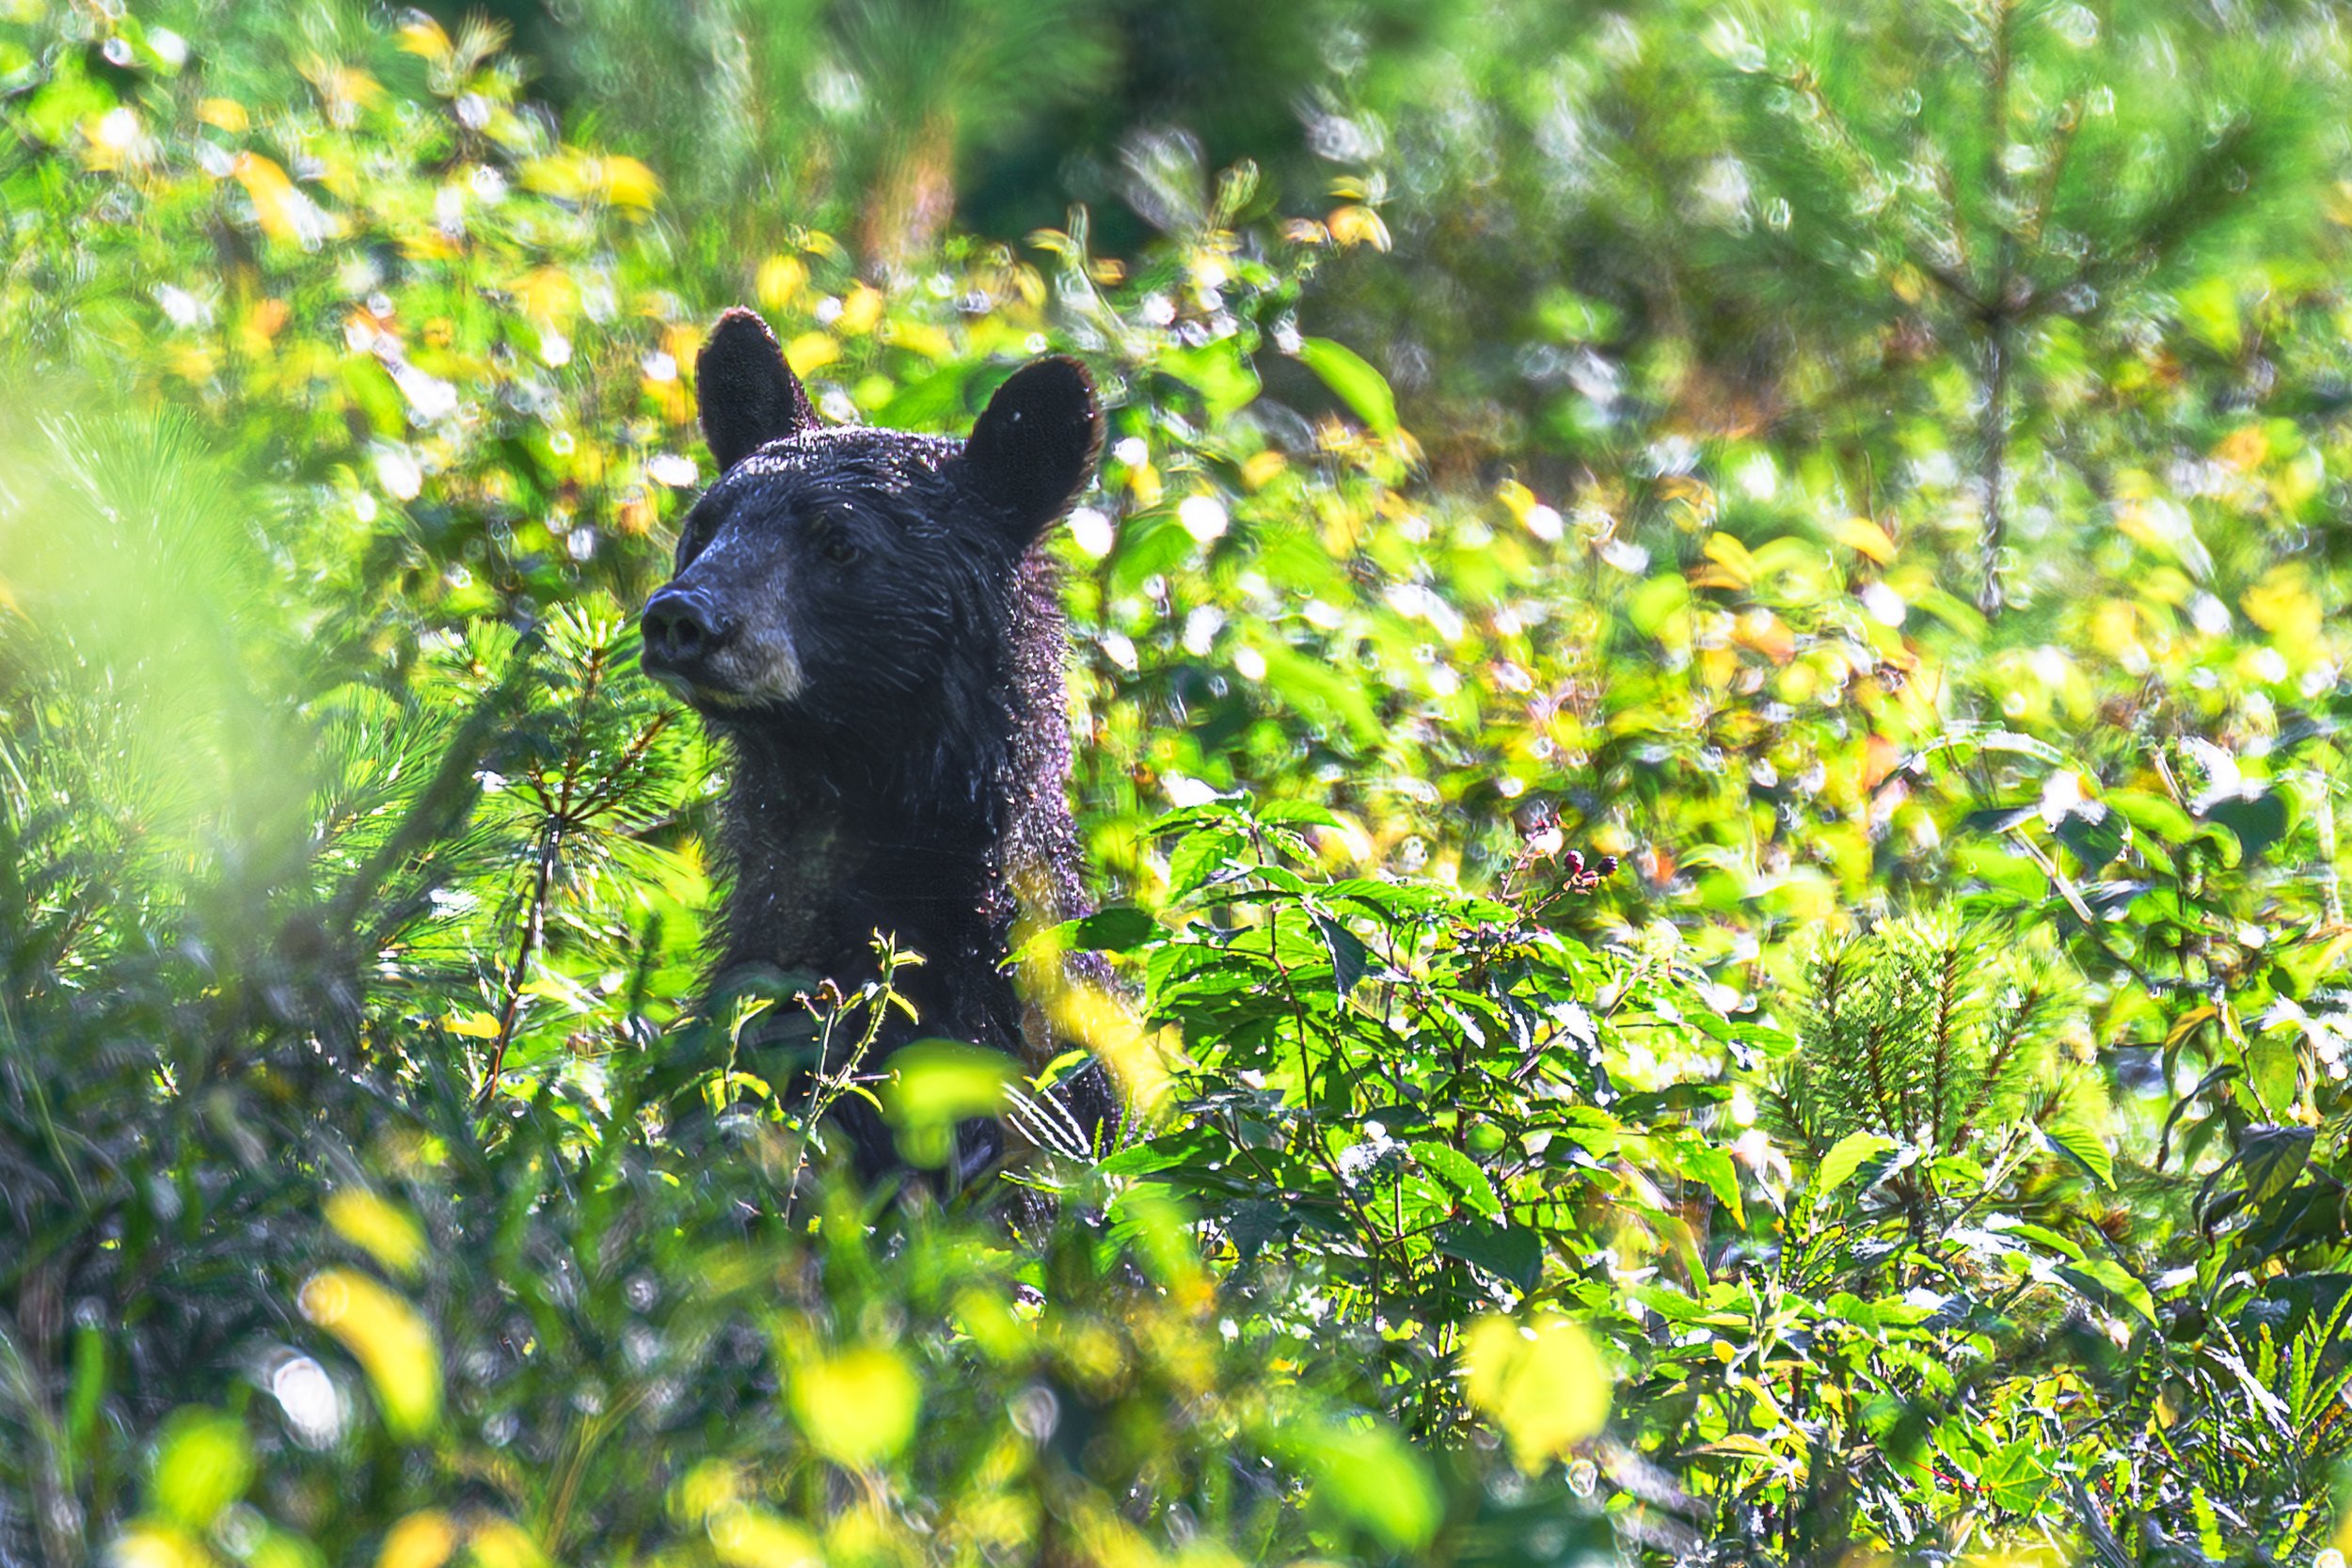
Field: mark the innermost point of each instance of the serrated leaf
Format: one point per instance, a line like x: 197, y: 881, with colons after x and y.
x: 1707, y: 1164
x: 1198, y: 857
x: 1459, y: 1175
x: 1510, y: 1252
x: 1350, y: 960
x: 1296, y: 814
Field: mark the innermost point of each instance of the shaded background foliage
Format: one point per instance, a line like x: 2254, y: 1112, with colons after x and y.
x: 1708, y: 672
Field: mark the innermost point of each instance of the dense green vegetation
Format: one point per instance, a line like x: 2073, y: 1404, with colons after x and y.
x: 1709, y: 671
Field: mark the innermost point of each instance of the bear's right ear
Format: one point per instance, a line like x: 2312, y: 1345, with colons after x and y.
x: 749, y: 395
x: 1035, y: 444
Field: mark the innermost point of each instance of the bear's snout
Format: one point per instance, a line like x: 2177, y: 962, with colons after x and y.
x: 683, y: 629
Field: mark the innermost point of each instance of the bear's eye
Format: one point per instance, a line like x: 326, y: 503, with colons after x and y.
x: 694, y: 537
x: 834, y: 544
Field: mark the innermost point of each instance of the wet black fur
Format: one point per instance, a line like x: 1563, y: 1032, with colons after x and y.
x: 916, y: 782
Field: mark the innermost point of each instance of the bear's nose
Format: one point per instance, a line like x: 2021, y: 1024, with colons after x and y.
x: 683, y: 628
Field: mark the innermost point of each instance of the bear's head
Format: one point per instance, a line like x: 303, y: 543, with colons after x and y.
x: 841, y: 575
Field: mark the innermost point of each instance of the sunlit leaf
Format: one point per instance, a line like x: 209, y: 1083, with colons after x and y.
x: 744, y: 1537
x: 932, y: 1085
x: 1846, y: 1156
x: 857, y: 1407
x: 1361, y: 387
x: 1459, y: 1175
x: 425, y: 1539
x: 389, y: 1340
x: 202, y: 1464
x: 386, y: 1232
x: 2106, y: 1281
x: 1540, y: 1381
x: 1371, y: 1476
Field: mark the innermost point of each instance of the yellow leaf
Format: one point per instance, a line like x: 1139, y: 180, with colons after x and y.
x: 391, y: 1343
x: 547, y: 296
x: 754, y: 1538
x: 628, y: 182
x: 1542, y: 1383
x: 1261, y: 470
x: 779, y: 278
x: 2188, y: 1021
x: 1732, y: 556
x: 224, y: 113
x: 2244, y: 449
x: 860, y: 311
x: 423, y: 36
x: 283, y: 210
x: 474, y: 1026
x: 564, y: 174
x: 1355, y: 224
x: 707, y: 1489
x: 859, y: 1407
x: 922, y: 337
x: 422, y: 1540
x: 381, y: 1230
x: 2283, y: 605
x: 153, y: 1545
x: 1517, y: 498
x: 810, y: 351
x: 1866, y: 537
x: 499, y: 1543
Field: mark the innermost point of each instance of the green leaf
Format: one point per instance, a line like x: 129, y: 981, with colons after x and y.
x: 202, y: 1465
x: 1333, y: 698
x: 1198, y: 857
x: 1510, y: 1252
x: 1372, y: 1478
x: 1358, y: 385
x: 2274, y: 1156
x: 2015, y: 1477
x: 2258, y: 821
x: 2107, y: 1281
x: 2085, y: 1147
x: 1217, y: 371
x: 2096, y: 834
x: 1297, y: 813
x: 934, y: 1084
x: 1119, y: 929
x: 1458, y: 1174
x: 1846, y: 1156
x: 2153, y: 814
x: 1350, y: 960
x: 1704, y: 1163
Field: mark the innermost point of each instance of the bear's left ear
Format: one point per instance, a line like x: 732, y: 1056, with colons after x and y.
x: 1035, y: 444
x: 749, y: 395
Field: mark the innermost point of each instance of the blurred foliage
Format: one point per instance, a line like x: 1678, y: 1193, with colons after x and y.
x: 1709, y: 671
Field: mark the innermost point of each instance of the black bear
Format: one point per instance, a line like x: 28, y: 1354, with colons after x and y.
x: 867, y: 617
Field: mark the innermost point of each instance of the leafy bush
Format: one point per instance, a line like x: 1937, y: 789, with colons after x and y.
x: 1666, y: 1020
